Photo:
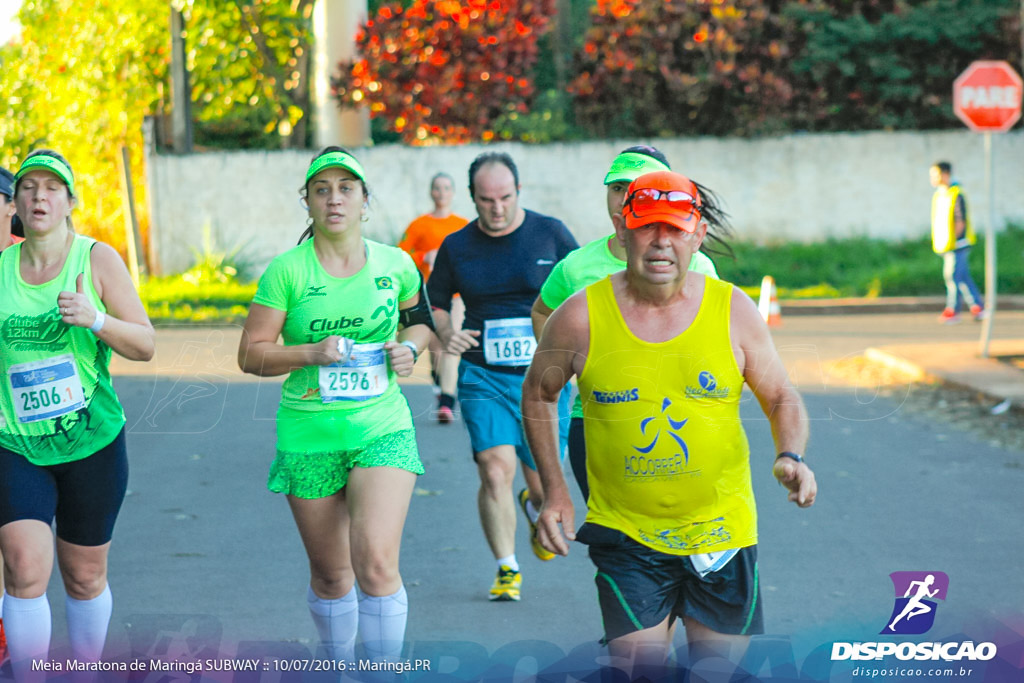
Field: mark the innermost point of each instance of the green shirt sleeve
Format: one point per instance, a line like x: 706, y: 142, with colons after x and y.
x: 408, y: 277
x: 557, y: 288
x: 273, y: 290
x: 700, y: 263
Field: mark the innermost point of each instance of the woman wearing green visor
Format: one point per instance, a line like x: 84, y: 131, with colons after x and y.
x: 66, y: 301
x: 350, y: 315
x: 600, y: 258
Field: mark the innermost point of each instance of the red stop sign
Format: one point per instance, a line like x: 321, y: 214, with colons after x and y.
x: 987, y: 96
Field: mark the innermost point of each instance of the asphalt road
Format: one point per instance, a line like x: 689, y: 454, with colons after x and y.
x: 207, y: 563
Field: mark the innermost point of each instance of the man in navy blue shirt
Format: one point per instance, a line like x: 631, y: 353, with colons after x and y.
x: 497, y: 264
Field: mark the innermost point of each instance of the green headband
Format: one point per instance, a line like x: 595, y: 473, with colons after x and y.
x: 336, y: 160
x: 629, y: 166
x: 47, y: 163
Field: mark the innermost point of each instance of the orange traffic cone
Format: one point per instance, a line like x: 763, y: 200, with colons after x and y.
x: 768, y: 304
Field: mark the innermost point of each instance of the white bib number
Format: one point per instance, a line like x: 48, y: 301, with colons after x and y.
x: 363, y: 376
x: 45, y: 389
x: 509, y: 341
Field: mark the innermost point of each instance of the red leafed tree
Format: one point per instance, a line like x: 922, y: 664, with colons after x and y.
x: 669, y: 67
x: 445, y: 70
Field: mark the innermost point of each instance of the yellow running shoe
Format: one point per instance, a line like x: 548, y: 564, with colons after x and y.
x: 540, y: 551
x: 506, y: 585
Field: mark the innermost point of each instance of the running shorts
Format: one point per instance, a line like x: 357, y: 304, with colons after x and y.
x: 638, y: 587
x: 83, y: 496
x: 490, y: 408
x: 324, y: 473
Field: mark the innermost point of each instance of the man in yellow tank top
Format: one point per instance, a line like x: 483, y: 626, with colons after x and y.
x: 661, y: 354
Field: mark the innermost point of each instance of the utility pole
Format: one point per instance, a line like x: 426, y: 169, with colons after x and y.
x: 181, y: 89
x: 335, y: 23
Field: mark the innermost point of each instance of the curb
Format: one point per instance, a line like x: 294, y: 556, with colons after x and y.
x: 908, y: 304
x: 991, y: 378
x: 912, y: 370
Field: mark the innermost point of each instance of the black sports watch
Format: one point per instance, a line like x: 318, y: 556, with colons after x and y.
x: 789, y: 454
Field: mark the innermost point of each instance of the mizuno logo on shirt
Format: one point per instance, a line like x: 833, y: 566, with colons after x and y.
x: 545, y: 262
x: 315, y: 291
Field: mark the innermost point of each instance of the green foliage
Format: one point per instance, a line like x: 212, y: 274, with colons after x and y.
x: 176, y: 299
x: 656, y: 68
x: 80, y: 80
x: 85, y: 73
x: 545, y: 122
x: 748, y: 67
x: 216, y: 288
x: 249, y: 62
x: 213, y: 263
x: 893, y: 70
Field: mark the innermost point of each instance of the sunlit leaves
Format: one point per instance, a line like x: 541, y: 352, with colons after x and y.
x: 446, y: 70
x: 82, y: 76
x: 651, y: 67
x: 250, y: 54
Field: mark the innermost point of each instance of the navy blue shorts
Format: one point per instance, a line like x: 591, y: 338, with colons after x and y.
x: 578, y: 455
x: 490, y: 401
x: 638, y: 587
x: 84, y: 496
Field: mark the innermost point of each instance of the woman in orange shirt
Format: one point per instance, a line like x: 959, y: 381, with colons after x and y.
x: 421, y: 240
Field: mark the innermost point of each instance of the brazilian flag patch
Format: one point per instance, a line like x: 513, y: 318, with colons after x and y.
x: 383, y: 283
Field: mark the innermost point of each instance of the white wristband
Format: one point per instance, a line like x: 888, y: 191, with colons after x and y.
x: 97, y: 324
x: 412, y: 347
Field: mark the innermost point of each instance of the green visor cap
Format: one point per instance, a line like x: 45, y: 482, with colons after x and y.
x: 629, y: 166
x: 47, y: 163
x: 336, y: 160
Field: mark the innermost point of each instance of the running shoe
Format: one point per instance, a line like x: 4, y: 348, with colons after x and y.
x: 979, y: 313
x: 949, y: 317
x: 506, y: 585
x: 540, y: 551
x: 445, y: 415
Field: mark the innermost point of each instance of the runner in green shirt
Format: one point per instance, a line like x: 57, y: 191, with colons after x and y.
x: 66, y: 302
x: 346, y: 449
x: 595, y: 261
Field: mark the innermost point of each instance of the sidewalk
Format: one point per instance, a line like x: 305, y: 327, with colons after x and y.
x: 1000, y: 377
x: 891, y: 304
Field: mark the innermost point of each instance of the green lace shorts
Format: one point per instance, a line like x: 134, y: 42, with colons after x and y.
x: 317, y: 475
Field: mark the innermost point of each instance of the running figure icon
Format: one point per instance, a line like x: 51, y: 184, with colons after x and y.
x: 915, y: 607
x: 917, y: 595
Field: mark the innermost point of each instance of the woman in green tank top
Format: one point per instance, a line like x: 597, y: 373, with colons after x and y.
x: 346, y: 450
x: 68, y: 301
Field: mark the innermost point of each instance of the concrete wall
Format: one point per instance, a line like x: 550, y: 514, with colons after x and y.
x: 797, y: 187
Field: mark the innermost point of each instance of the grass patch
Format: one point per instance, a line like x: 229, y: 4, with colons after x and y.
x: 177, y: 299
x: 214, y: 292
x: 864, y: 267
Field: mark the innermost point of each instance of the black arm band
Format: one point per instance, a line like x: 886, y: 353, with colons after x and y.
x: 789, y: 454
x: 418, y: 314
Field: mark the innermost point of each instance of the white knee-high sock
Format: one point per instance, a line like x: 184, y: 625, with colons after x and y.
x: 382, y: 624
x: 337, y: 622
x: 87, y: 625
x: 27, y: 625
